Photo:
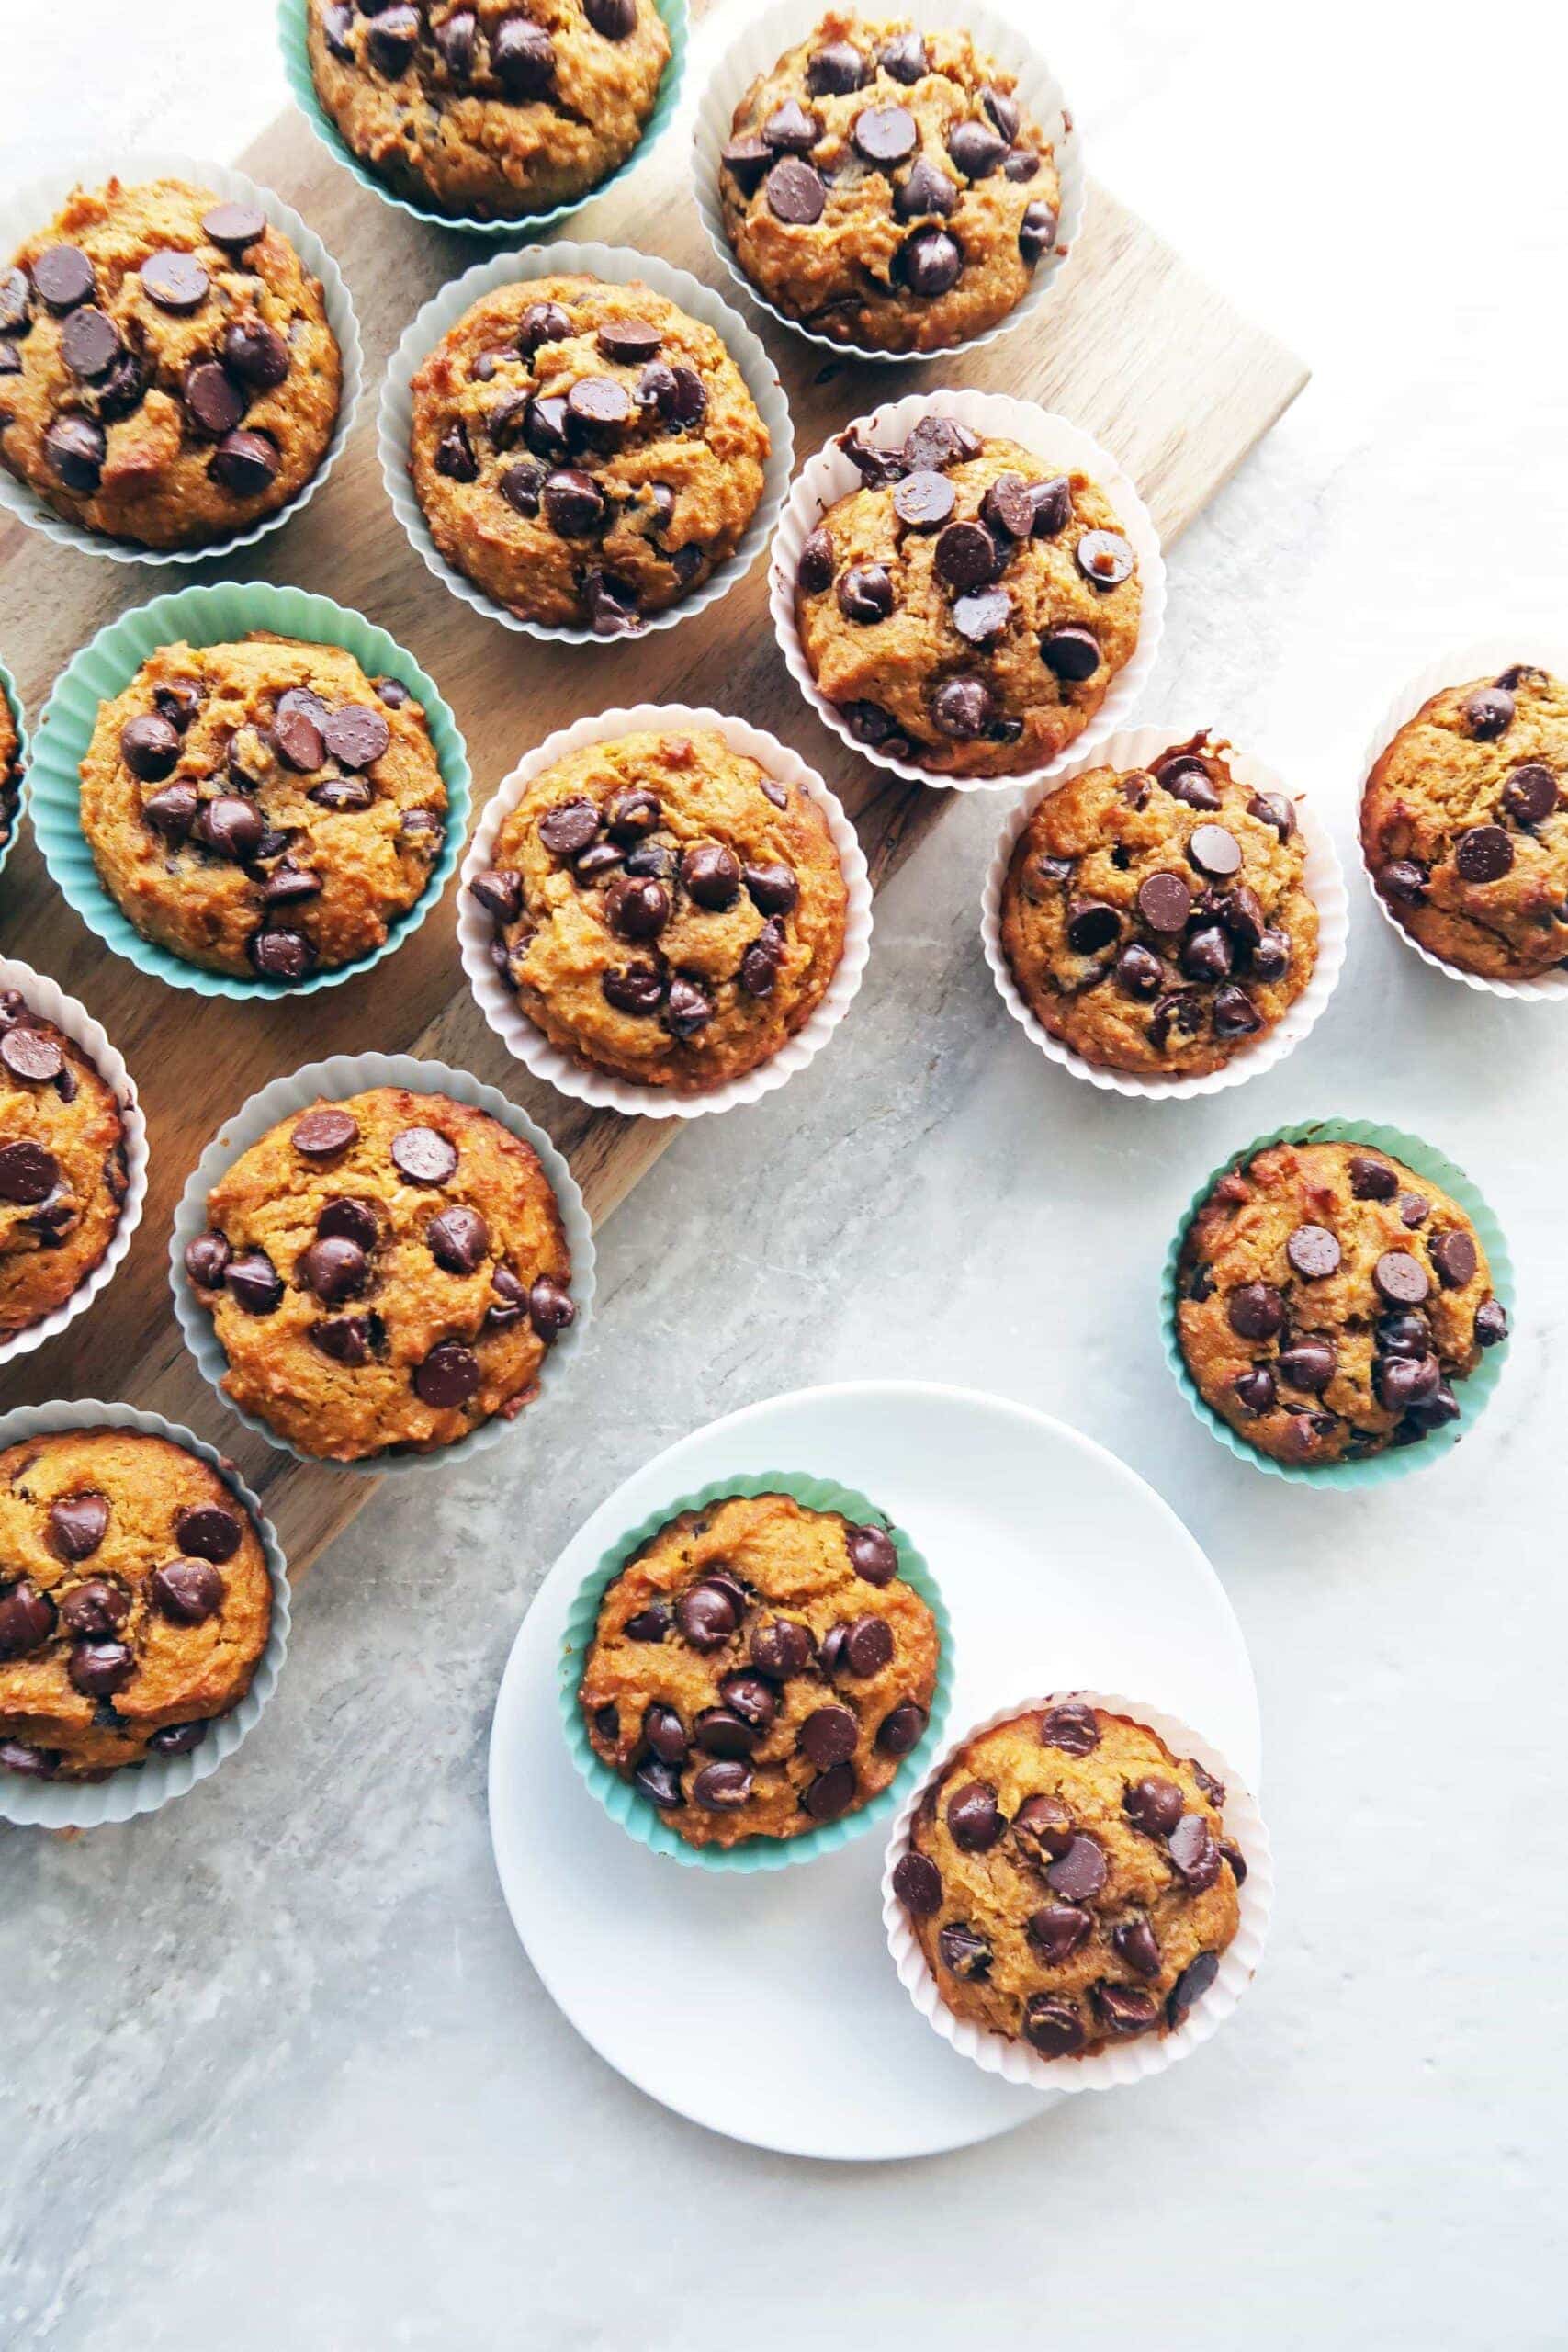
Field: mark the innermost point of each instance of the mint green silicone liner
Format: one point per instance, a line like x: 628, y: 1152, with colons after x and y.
x: 1472, y: 1393
x: 9, y: 689
x: 532, y: 226
x: 638, y: 1815
x: 213, y: 616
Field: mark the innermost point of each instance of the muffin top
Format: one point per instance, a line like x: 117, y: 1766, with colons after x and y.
x: 1327, y: 1297
x: 1464, y: 827
x: 665, y: 909
x: 757, y: 1669
x: 1070, y: 1882
x: 263, y: 808
x: 586, y: 453
x: 167, y: 374
x: 134, y: 1601
x: 10, y: 768
x: 1157, y: 920
x: 481, y: 108
x: 886, y: 187
x: 384, y: 1272
x: 966, y: 608
x: 63, y: 1167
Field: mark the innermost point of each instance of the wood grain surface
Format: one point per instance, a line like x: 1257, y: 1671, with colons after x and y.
x: 1132, y: 347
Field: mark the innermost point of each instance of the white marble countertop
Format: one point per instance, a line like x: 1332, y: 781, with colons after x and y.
x: 277, y: 2068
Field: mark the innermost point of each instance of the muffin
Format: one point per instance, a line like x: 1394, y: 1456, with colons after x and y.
x: 135, y: 1601
x: 759, y: 1669
x: 1464, y: 827
x: 665, y: 909
x: 383, y: 1273
x: 886, y: 188
x: 1328, y: 1297
x: 263, y: 808
x: 584, y: 453
x: 1069, y: 1881
x: 967, y: 608
x: 10, y: 769
x: 1157, y: 921
x: 64, y: 1175
x: 486, y: 110
x: 167, y: 374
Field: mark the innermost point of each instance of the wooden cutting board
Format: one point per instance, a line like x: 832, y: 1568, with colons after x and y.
x: 1132, y: 347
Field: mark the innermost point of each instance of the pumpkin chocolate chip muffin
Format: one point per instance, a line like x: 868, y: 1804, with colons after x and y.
x: 665, y: 909
x: 759, y: 1668
x: 1327, y: 1299
x: 967, y: 608
x: 1464, y: 825
x: 1070, y: 1882
x: 10, y: 767
x: 135, y: 1601
x: 483, y: 109
x: 1157, y: 920
x: 263, y: 808
x: 383, y: 1273
x: 887, y: 188
x: 167, y: 373
x: 63, y: 1166
x: 584, y: 452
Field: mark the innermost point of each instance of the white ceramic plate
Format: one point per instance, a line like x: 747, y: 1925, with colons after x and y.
x: 765, y: 2005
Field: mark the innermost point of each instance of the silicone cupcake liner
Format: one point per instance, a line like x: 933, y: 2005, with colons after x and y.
x: 830, y: 475
x: 563, y: 1072
x: 147, y: 1788
x: 638, y: 1815
x: 1472, y: 1393
x: 1138, y: 748
x: 343, y: 1075
x: 12, y: 693
x: 291, y: 32
x: 1150, y: 2053
x: 619, y: 265
x: 43, y: 996
x: 734, y: 48
x: 214, y: 616
x: 27, y: 211
x: 1485, y: 659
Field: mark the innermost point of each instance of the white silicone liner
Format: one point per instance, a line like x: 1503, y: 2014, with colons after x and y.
x: 1483, y: 658
x: 617, y: 266
x: 1139, y: 747
x: 343, y: 1075
x: 736, y: 45
x: 531, y: 1046
x: 147, y: 1788
x: 1149, y: 2053
x: 32, y: 208
x: 1062, y: 446
x: 43, y: 996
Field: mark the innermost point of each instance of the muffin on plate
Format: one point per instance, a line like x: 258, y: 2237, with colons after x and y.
x: 757, y: 1669
x: 135, y: 1601
x: 1465, y: 830
x: 887, y: 188
x: 665, y: 909
x: 63, y: 1166
x: 263, y: 808
x: 585, y: 453
x: 1069, y: 1881
x: 967, y: 607
x: 481, y: 108
x: 167, y: 371
x: 10, y: 769
x: 1328, y: 1297
x: 1157, y: 921
x: 384, y: 1272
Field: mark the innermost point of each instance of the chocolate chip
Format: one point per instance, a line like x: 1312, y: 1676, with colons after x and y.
x: 33, y: 1763
x: 1454, y: 1256
x: 1433, y: 1412
x: 829, y: 1735
x: 568, y: 826
x: 1135, y: 1941
x: 883, y: 134
x: 1491, y: 1323
x: 16, y: 314
x: 963, y: 1953
x: 638, y: 910
x: 923, y: 500
x: 574, y: 504
x: 629, y: 342
x: 711, y: 873
x: 1070, y: 653
x: 77, y: 1525
x: 174, y: 281
x: 1488, y: 713
x: 523, y: 58
x: 26, y: 1618
x: 929, y: 263
x: 1138, y: 971
x: 1485, y: 853
x: 1214, y: 852
x: 721, y: 1787
x: 1056, y: 1932
x: 688, y: 1008
x: 865, y: 593
x: 815, y: 573
x: 1125, y: 2009
x: 706, y: 1615
x: 1206, y: 953
x: 761, y: 965
x: 791, y: 129
x: 321, y: 1134
x: 796, y: 193
x: 1401, y: 1279
x: 1165, y: 901
x: 1236, y: 1015
x: 781, y: 1647
x: 868, y: 1646
x: 357, y: 735
x: 614, y: 19
x: 31, y: 1054
x: 28, y: 1174
x: 975, y: 148
x: 772, y: 890
x: 448, y: 1377
x: 229, y: 828
x: 1020, y: 164
x: 346, y: 1341
x: 902, y: 1730
x: 335, y: 1269
x: 1153, y: 1804
x: 1314, y: 1251
x: 1079, y: 1873
x: 1529, y: 794
x: 1256, y: 1311
x: 746, y: 161
x: 720, y: 1732
x: 831, y: 1793
x: 1072, y: 1726
x: 966, y: 556
x: 1192, y: 1984
x: 1402, y: 880
x: 1310, y: 1364
x: 1255, y: 1389
x: 100, y: 1669
x: 916, y: 1882
x: 204, y: 1260
x: 649, y: 1624
x: 1052, y: 2026
x: 1405, y: 1380
x: 923, y: 189
x: 10, y: 365
x: 454, y: 460
x: 210, y: 1530
x: 188, y: 1591
x: 636, y: 989
x: 1194, y: 1852
x: 551, y: 1309
x: 424, y: 1156
x: 1091, y: 925
x: 63, y: 276
x: 89, y: 343
x: 245, y: 464
x: 1036, y: 232
x: 665, y: 1734
x: 96, y: 1609
x: 234, y: 225
x: 961, y: 707
x: 76, y: 447
x: 658, y: 1781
